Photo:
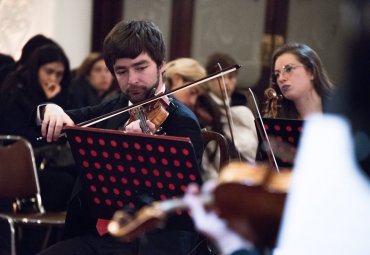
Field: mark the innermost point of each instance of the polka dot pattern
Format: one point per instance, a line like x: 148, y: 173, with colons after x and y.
x: 285, y: 133
x: 119, y: 169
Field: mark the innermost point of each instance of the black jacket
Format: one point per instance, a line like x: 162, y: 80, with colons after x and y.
x: 82, y: 94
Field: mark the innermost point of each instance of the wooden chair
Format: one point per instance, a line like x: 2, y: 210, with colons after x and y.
x: 221, y: 142
x: 19, y: 182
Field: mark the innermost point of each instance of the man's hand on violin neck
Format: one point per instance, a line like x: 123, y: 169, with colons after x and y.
x: 53, y: 122
x: 135, y: 127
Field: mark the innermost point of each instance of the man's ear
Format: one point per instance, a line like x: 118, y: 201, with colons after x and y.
x: 162, y: 67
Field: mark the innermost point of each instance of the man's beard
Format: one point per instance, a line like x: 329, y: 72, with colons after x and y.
x: 141, y: 92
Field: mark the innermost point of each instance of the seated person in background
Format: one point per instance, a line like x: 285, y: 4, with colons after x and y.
x: 180, y: 72
x: 299, y: 87
x: 92, y: 83
x: 298, y: 74
x: 212, y: 115
x: 31, y: 45
x: 43, y: 78
x: 7, y: 65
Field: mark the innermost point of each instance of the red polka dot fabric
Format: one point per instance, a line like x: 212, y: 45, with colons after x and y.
x: 119, y: 169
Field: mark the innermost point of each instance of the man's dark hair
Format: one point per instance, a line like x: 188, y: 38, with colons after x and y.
x: 128, y: 39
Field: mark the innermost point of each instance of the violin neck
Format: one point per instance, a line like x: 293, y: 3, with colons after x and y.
x: 144, y: 127
x: 141, y: 116
x: 175, y: 204
x: 172, y: 205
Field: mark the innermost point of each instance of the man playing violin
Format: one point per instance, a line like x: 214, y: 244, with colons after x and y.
x: 134, y: 52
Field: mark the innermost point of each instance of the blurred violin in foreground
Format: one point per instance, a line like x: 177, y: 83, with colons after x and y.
x: 249, y: 197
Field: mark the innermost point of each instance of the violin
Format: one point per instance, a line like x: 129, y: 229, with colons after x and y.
x: 255, y: 212
x: 259, y: 204
x: 156, y: 112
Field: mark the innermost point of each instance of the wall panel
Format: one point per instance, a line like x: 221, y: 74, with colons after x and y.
x: 320, y: 25
x: 233, y: 27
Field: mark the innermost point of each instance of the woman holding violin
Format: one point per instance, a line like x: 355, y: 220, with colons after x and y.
x: 299, y: 76
x: 134, y: 52
x: 299, y: 87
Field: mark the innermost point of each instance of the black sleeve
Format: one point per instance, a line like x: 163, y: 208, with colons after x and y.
x: 183, y: 123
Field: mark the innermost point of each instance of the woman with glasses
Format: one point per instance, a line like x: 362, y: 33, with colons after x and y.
x: 299, y: 76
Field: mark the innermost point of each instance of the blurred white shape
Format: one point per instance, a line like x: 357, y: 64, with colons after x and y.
x: 328, y: 206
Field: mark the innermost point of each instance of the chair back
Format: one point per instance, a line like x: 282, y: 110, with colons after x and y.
x: 18, y: 176
x: 221, y: 142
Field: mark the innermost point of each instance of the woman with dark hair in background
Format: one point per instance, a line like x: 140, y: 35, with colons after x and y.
x: 43, y: 78
x: 299, y: 87
x: 31, y: 45
x: 299, y: 75
x: 9, y: 65
x: 92, y: 83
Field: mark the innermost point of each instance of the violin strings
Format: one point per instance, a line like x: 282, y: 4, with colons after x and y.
x: 140, y: 115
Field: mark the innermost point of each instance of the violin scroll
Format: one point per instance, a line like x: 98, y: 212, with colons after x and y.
x: 272, y: 103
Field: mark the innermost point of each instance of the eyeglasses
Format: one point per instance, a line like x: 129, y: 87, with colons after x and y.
x: 287, y: 69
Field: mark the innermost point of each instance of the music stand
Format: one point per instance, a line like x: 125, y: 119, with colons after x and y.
x: 123, y: 170
x: 284, y: 135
